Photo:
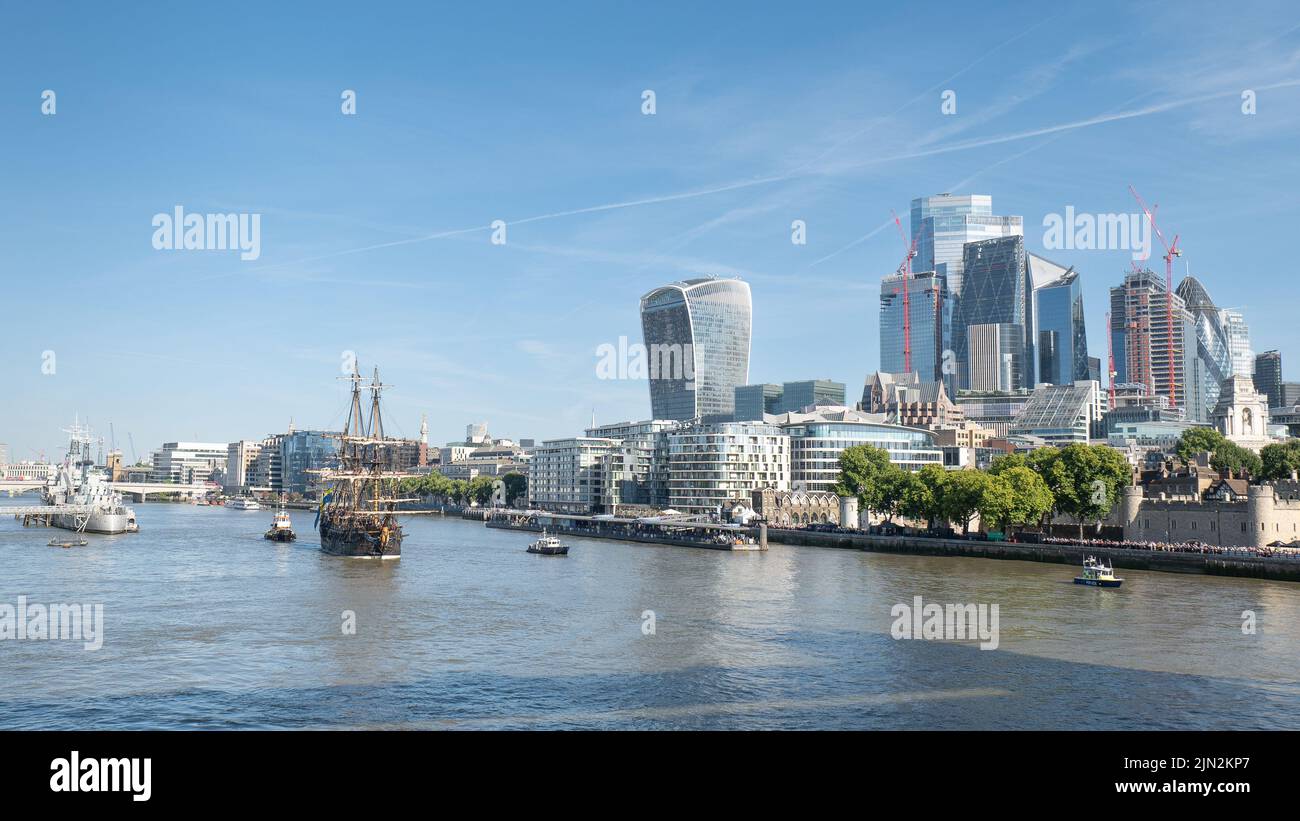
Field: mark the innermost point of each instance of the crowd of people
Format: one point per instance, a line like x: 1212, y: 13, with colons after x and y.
x: 1180, y: 547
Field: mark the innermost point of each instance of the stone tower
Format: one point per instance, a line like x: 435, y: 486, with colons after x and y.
x: 1242, y: 413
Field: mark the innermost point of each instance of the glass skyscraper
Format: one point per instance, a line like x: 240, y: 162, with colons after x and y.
x: 1058, y: 331
x: 925, y: 295
x: 697, y: 336
x: 994, y: 293
x: 941, y: 226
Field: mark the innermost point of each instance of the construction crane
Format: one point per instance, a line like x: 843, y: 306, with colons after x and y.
x: 135, y: 459
x: 905, y: 270
x: 1110, y: 362
x: 1171, y: 250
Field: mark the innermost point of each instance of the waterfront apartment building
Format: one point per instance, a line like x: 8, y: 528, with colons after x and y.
x: 818, y: 438
x: 265, y: 473
x: 1268, y: 377
x: 189, y: 462
x: 697, y: 337
x: 567, y: 475
x: 712, y: 464
x: 635, y: 472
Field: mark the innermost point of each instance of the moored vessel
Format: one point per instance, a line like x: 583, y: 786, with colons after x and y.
x: 1097, y: 574
x: 243, y: 503
x: 76, y: 483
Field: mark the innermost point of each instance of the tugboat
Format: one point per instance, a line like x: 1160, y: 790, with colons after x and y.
x: 281, y: 528
x: 357, y: 515
x: 1097, y: 574
x: 549, y: 546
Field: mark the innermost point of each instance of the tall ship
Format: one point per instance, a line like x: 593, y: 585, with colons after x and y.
x: 356, y: 516
x: 77, y: 483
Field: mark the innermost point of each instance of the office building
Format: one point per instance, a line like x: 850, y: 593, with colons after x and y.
x: 712, y: 464
x: 943, y: 224
x: 753, y: 402
x: 1238, y: 334
x: 303, y: 455
x: 241, y: 456
x: 1267, y: 376
x: 819, y: 437
x: 995, y: 410
x: 995, y: 293
x: 926, y: 294
x: 189, y: 462
x: 1057, y: 328
x: 697, y: 336
x: 1061, y: 414
x: 1140, y: 310
x: 995, y: 357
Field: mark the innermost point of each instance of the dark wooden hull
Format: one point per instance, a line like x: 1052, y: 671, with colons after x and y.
x: 359, y: 544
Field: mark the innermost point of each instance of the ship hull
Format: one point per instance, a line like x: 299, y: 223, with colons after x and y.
x: 108, y: 523
x: 357, y: 545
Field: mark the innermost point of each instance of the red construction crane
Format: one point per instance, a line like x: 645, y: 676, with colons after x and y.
x: 1171, y: 250
x: 1110, y: 362
x: 906, y: 271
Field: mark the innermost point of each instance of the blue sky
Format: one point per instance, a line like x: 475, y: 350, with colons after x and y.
x: 374, y: 227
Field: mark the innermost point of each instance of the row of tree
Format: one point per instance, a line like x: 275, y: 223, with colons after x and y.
x: 458, y: 491
x: 1080, y: 481
x: 1273, y: 462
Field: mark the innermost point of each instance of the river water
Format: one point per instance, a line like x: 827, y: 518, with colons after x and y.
x: 207, y: 625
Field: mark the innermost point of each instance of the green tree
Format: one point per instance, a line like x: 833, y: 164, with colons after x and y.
x: 1231, y: 457
x: 1084, y: 480
x: 922, y: 493
x: 1016, y: 496
x: 1277, y: 461
x: 1198, y: 440
x: 963, y: 495
x: 863, y: 473
x: 516, y: 487
x: 480, y: 489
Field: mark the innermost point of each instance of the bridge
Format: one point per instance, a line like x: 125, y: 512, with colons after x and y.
x: 135, y: 491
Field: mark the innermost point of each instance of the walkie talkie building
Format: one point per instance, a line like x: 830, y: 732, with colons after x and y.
x: 697, y: 335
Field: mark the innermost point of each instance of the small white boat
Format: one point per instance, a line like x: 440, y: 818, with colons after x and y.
x: 549, y: 546
x: 243, y: 503
x: 1097, y: 574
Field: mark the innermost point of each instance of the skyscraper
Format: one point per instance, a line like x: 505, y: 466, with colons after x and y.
x: 1140, y: 335
x: 1268, y: 377
x: 925, y: 295
x: 1214, y: 361
x: 1238, y: 333
x: 941, y: 226
x: 697, y: 336
x: 994, y: 293
x: 1057, y: 329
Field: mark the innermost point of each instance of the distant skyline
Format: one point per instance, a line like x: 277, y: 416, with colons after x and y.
x: 375, y: 229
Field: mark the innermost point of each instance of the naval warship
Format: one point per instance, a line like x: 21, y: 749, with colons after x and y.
x: 76, y: 482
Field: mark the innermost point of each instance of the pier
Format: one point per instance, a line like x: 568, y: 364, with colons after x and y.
x: 679, y: 533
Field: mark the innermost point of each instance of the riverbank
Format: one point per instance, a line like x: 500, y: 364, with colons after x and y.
x: 1255, y: 567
